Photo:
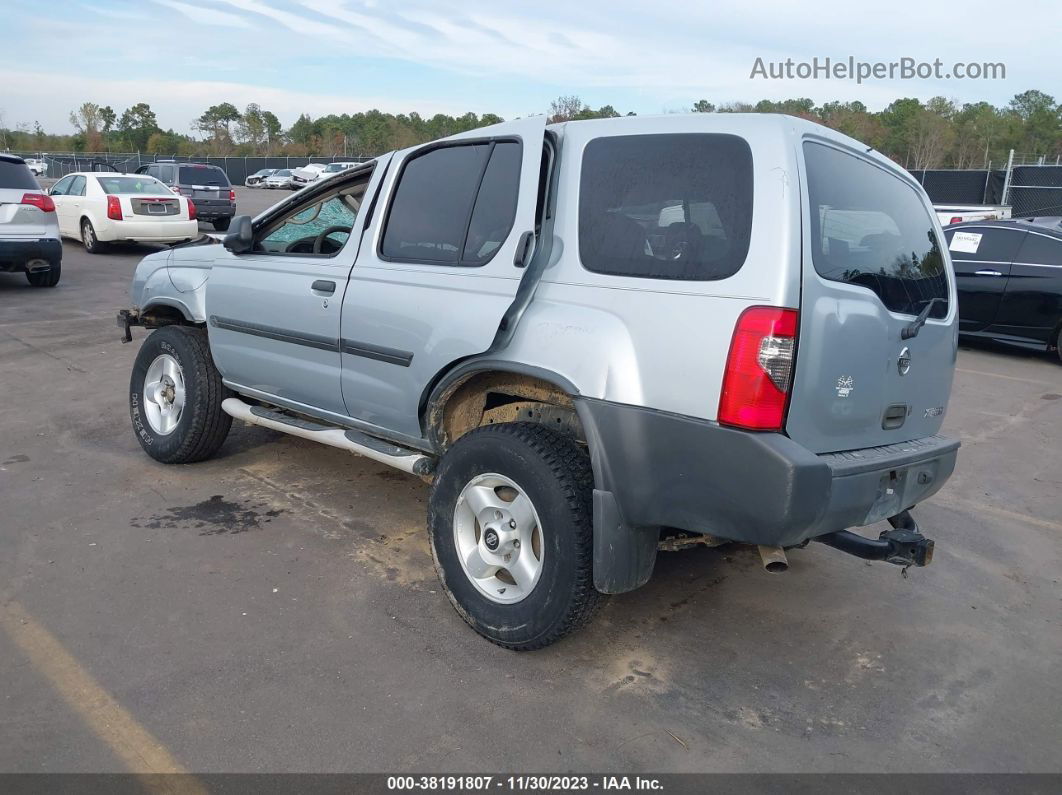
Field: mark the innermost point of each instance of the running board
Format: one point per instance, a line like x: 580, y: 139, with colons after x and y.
x: 411, y: 461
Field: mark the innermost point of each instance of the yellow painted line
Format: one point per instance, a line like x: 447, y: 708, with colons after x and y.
x: 1003, y: 513
x: 1008, y: 377
x: 135, y: 746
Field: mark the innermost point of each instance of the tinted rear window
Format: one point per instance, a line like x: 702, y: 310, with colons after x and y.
x: 193, y: 175
x: 666, y: 206
x: 871, y: 229
x: 17, y: 176
x: 143, y: 184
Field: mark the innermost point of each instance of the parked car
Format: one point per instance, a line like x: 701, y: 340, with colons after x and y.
x: 208, y: 186
x: 961, y: 213
x: 29, y: 229
x: 100, y: 208
x: 597, y: 331
x: 1009, y: 277
x: 335, y: 168
x: 255, y: 180
x: 279, y: 180
x: 37, y: 166
x: 304, y: 175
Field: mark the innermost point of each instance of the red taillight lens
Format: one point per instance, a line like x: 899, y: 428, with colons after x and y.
x: 956, y: 220
x: 114, y: 208
x: 759, y: 369
x: 42, y: 201
x: 232, y: 195
x: 192, y: 214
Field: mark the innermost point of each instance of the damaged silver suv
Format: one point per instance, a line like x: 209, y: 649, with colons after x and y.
x: 592, y: 339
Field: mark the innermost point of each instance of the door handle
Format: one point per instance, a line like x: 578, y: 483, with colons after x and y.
x: 323, y: 286
x: 987, y: 273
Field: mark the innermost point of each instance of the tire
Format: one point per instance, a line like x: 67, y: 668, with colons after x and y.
x: 221, y: 224
x: 48, y: 278
x: 554, y: 474
x: 88, y: 237
x: 200, y: 427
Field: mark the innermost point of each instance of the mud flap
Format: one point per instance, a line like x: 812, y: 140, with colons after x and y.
x: 624, y: 556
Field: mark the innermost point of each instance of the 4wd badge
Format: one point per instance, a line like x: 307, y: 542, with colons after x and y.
x: 845, y: 385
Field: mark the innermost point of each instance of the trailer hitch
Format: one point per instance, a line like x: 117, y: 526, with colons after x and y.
x: 903, y: 545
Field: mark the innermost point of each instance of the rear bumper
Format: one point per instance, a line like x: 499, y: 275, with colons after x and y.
x: 655, y: 469
x: 14, y: 254
x: 209, y: 211
x: 149, y: 231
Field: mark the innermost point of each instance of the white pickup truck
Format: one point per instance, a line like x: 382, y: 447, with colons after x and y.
x: 961, y: 213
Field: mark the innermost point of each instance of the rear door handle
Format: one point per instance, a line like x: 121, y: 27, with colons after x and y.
x: 987, y: 273
x: 324, y: 286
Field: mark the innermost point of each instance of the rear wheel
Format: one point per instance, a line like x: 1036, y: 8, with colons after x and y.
x: 175, y: 396
x: 511, y: 534
x: 48, y: 278
x: 88, y: 237
x: 221, y: 224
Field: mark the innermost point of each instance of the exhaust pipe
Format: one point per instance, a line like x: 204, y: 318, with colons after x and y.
x: 774, y: 559
x: 35, y: 265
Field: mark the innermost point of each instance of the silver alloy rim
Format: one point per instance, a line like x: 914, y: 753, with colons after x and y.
x: 164, y: 394
x: 498, y: 538
x: 87, y: 236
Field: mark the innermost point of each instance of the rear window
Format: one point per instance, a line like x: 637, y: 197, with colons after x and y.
x: 198, y: 175
x: 871, y: 229
x: 142, y: 184
x: 666, y: 206
x: 17, y: 176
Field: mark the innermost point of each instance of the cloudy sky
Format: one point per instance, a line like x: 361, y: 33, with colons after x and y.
x: 510, y: 57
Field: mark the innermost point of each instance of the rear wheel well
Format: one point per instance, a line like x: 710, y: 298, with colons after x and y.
x: 495, y: 397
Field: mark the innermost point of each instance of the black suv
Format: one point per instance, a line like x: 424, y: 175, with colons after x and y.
x: 208, y: 186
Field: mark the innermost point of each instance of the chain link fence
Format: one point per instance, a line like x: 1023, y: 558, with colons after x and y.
x: 1032, y: 189
x: 62, y: 163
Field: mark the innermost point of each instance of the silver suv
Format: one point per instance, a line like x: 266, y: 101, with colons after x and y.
x: 29, y: 228
x: 593, y: 339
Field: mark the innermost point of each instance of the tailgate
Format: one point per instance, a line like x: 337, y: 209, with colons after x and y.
x: 872, y: 262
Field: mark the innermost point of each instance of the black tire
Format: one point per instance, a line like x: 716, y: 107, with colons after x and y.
x: 555, y: 474
x: 202, y: 426
x: 89, y: 240
x: 221, y: 224
x: 48, y: 278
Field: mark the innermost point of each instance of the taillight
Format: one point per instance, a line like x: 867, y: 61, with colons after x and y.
x: 232, y: 195
x: 957, y: 219
x: 114, y: 208
x: 192, y: 215
x: 42, y: 201
x: 759, y: 369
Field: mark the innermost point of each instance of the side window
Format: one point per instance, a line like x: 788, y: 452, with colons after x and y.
x: 62, y: 187
x: 321, y: 227
x: 77, y: 187
x: 1040, y: 250
x: 454, y: 205
x: 166, y: 174
x: 984, y: 244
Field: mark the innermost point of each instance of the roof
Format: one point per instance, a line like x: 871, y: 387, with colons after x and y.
x: 11, y: 158
x: 1047, y: 225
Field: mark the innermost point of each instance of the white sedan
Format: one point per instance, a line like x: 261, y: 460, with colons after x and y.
x: 101, y: 207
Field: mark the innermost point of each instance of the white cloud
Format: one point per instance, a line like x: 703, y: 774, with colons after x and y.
x: 206, y: 16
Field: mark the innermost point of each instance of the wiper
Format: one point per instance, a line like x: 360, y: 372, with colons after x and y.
x: 910, y: 331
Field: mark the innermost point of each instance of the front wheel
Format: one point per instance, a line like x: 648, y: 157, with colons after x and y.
x: 510, y: 521
x: 175, y: 396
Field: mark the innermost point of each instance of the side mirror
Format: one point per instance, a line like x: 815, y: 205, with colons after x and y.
x: 240, y: 238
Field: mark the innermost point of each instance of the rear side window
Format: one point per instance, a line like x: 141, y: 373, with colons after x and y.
x: 666, y: 206
x: 16, y: 176
x: 454, y: 205
x: 984, y: 244
x: 1040, y: 250
x: 195, y: 175
x: 871, y: 229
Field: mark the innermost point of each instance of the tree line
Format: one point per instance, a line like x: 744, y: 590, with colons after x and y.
x: 938, y: 133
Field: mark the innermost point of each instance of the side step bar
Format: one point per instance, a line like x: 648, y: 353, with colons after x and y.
x: 411, y: 461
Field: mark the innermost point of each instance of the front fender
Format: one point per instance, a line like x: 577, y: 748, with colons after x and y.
x: 174, y: 278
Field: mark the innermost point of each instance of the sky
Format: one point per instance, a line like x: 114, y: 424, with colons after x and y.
x: 510, y: 57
